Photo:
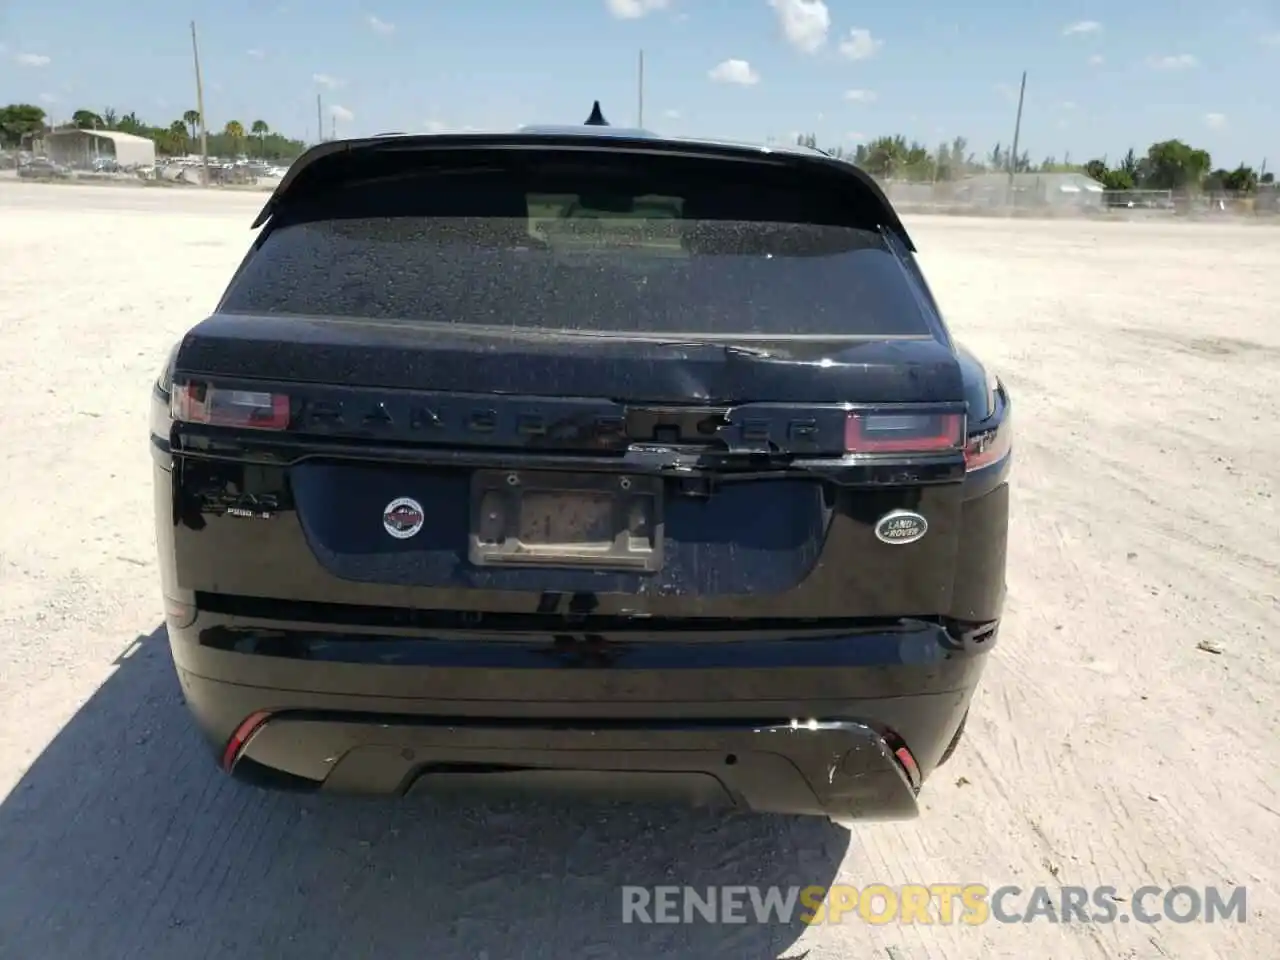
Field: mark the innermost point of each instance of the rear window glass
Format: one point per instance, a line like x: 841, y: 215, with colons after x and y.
x: 610, y: 260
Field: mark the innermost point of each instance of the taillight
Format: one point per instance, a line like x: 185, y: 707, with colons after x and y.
x: 216, y: 406
x: 904, y: 432
x: 988, y: 447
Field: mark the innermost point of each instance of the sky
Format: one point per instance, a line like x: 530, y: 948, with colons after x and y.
x: 1101, y: 78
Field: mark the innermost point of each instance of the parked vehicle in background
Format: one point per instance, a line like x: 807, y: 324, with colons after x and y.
x: 42, y: 168
x: 580, y: 459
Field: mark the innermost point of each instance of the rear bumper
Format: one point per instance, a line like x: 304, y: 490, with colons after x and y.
x: 844, y: 725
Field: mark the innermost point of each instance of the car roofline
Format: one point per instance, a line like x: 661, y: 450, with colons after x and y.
x: 605, y: 139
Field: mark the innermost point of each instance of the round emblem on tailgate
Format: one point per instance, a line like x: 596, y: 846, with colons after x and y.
x: 901, y: 526
x: 403, y: 518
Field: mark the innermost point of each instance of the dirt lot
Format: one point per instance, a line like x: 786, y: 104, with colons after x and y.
x: 1106, y: 746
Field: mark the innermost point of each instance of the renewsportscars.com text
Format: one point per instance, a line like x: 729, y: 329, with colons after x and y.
x: 938, y: 903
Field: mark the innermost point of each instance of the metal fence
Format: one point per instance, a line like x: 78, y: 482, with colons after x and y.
x: 1029, y: 197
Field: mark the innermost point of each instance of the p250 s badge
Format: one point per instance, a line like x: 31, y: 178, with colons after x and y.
x: 403, y: 518
x: 901, y: 526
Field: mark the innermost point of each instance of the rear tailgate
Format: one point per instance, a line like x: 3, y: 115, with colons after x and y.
x: 535, y: 380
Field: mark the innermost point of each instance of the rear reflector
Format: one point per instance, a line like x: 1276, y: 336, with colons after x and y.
x: 241, y: 736
x: 904, y: 432
x: 252, y: 409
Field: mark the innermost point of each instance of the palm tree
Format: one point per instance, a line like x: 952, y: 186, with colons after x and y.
x: 260, y: 130
x: 192, y: 119
x: 177, y: 136
x: 234, y: 131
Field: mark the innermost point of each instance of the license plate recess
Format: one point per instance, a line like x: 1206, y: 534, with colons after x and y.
x: 541, y: 518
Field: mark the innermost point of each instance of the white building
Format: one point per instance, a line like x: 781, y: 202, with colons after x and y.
x: 79, y: 148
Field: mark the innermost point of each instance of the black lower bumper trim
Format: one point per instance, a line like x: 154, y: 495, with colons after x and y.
x: 838, y: 768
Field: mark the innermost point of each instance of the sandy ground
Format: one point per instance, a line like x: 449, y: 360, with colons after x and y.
x: 1105, y: 747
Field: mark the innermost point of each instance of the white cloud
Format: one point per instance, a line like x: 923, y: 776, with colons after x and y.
x: 1096, y: 60
x: 378, y: 25
x: 635, y: 9
x: 440, y: 126
x: 339, y: 112
x: 855, y: 137
x: 49, y: 98
x: 860, y: 96
x: 1215, y: 121
x: 1008, y: 91
x: 324, y: 80
x: 1068, y: 104
x: 860, y: 44
x: 32, y: 59
x: 1271, y: 39
x: 256, y: 53
x: 734, y: 71
x: 805, y: 23
x: 1081, y: 26
x: 671, y: 114
x: 1177, y: 61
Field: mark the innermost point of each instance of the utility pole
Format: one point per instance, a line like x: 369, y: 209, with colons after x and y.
x: 640, y: 93
x: 204, y: 126
x: 319, y: 121
x: 1017, y: 129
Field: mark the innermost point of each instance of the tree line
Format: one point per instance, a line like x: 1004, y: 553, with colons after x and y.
x: 21, y: 121
x: 1167, y: 165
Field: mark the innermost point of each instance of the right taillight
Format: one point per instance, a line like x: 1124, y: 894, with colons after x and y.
x: 903, y: 432
x: 990, y: 446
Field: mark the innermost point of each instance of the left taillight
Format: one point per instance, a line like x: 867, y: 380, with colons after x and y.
x: 904, y: 433
x: 222, y: 407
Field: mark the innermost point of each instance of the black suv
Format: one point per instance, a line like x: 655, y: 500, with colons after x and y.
x: 580, y: 459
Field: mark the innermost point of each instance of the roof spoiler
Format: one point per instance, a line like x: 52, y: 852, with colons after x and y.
x: 330, y: 164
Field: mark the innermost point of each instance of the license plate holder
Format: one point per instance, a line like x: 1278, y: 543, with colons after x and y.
x: 542, y: 518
